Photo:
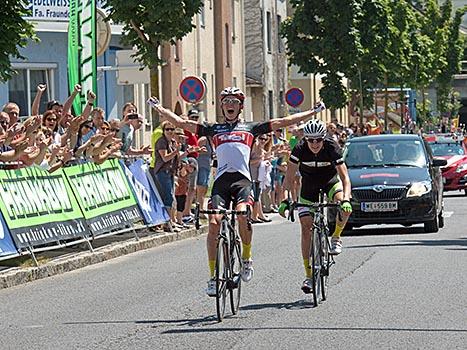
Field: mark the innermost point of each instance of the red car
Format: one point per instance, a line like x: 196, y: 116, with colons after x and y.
x: 453, y: 148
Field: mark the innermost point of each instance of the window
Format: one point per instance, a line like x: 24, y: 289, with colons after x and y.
x: 176, y: 47
x: 233, y: 20
x: 204, y: 112
x: 271, y: 105
x: 234, y: 81
x: 227, y: 46
x: 268, y: 31
x: 23, y: 86
x: 280, y: 44
x: 202, y: 16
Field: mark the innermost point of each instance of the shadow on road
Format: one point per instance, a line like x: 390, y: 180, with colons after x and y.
x: 181, y: 322
x: 456, y: 244
x: 386, y: 231
x: 296, y: 305
x: 325, y: 329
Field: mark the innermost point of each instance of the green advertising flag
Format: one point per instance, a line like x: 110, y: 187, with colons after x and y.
x: 82, y: 63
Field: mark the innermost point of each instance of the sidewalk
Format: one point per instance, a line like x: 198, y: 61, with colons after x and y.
x: 70, y: 259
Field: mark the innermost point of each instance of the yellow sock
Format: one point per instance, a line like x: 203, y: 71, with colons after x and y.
x: 212, y: 267
x: 308, y: 270
x: 338, y: 230
x: 246, y: 254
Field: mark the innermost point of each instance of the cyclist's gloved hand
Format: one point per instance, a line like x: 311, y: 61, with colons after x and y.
x: 346, y: 206
x: 285, y: 205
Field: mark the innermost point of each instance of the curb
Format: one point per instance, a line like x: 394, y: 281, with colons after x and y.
x: 82, y: 259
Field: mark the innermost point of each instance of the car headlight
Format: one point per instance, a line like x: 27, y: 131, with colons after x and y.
x: 461, y: 168
x: 419, y: 188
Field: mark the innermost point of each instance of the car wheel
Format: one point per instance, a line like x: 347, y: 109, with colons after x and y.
x: 440, y: 220
x: 431, y: 226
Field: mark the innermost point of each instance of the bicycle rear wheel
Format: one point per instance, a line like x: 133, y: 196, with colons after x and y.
x: 235, y: 281
x: 316, y: 264
x: 221, y: 277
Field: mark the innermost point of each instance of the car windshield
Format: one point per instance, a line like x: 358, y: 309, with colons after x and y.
x: 447, y: 149
x: 385, y: 153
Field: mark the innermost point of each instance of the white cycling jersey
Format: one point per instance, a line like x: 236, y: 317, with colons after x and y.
x: 233, y: 144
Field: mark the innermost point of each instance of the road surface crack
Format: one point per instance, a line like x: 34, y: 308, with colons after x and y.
x: 351, y: 272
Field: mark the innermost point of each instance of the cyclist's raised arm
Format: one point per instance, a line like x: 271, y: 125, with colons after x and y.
x: 279, y: 123
x: 344, y: 176
x: 176, y: 120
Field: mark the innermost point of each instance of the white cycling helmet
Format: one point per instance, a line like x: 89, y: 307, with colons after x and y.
x: 315, y: 128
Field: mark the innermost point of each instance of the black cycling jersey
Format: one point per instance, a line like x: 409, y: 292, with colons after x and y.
x: 317, y: 169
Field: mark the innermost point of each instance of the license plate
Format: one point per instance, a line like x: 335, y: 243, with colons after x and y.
x: 378, y: 206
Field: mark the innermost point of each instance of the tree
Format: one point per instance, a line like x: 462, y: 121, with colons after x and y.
x: 14, y: 34
x: 322, y: 38
x: 150, y: 23
x: 446, y: 98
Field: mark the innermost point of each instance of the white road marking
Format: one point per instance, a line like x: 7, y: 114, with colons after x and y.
x: 447, y: 214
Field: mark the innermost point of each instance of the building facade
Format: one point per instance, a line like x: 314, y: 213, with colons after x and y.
x: 265, y: 59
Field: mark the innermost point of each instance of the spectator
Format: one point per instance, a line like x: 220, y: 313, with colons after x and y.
x: 12, y: 110
x: 373, y: 125
x: 192, y: 140
x: 332, y: 132
x: 204, y: 170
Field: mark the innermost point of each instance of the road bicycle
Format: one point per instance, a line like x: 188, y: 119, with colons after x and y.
x: 228, y: 259
x: 319, y: 256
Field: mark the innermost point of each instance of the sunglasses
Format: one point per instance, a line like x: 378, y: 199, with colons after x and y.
x: 51, y: 119
x: 262, y: 138
x: 169, y: 129
x: 114, y: 130
x: 4, y: 122
x: 313, y: 140
x: 232, y: 101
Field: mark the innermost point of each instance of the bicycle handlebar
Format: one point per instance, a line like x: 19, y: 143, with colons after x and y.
x: 316, y: 205
x: 217, y: 212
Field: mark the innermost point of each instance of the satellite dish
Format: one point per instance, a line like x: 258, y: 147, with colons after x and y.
x: 104, y: 32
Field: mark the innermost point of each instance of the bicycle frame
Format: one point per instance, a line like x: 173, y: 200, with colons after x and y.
x: 320, y: 260
x: 230, y: 251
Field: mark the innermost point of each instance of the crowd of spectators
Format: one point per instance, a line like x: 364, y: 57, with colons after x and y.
x: 182, y: 165
x: 55, y: 137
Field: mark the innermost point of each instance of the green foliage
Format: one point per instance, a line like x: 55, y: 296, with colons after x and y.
x: 149, y: 23
x: 323, y: 38
x: 14, y: 34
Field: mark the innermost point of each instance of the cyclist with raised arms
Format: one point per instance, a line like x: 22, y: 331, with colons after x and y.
x: 232, y: 140
x: 319, y: 160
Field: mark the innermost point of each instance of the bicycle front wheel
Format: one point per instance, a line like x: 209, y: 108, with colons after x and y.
x: 316, y: 264
x: 325, y: 264
x: 235, y: 281
x: 221, y: 277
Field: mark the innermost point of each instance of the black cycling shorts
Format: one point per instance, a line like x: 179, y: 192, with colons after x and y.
x: 310, y: 194
x: 228, y: 188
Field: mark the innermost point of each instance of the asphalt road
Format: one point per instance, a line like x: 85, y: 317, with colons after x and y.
x: 390, y: 289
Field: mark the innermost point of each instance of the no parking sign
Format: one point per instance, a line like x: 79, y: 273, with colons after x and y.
x: 294, y: 97
x: 192, y: 89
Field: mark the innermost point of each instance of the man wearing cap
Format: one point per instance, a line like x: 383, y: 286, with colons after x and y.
x: 192, y: 140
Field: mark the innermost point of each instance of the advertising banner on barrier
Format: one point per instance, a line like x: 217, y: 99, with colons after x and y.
x: 104, y: 195
x: 149, y: 201
x: 39, y: 207
x: 7, y: 247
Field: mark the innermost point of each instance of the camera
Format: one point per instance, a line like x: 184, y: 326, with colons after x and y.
x: 132, y: 116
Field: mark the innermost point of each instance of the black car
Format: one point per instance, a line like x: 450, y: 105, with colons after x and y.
x: 395, y: 180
